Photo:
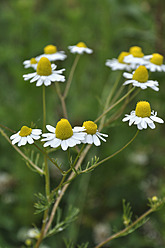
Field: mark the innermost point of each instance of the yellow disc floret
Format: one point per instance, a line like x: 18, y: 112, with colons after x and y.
x: 156, y: 59
x: 136, y: 51
x: 63, y: 129
x: 121, y: 57
x: 33, y: 61
x: 90, y: 127
x: 25, y: 131
x: 50, y: 49
x: 81, y: 44
x: 44, y: 67
x: 143, y: 109
x: 141, y: 74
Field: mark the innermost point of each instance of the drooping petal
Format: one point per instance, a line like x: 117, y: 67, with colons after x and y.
x: 96, y: 140
x: 64, y: 145
x: 50, y: 128
x: 16, y: 140
x: 30, y: 140
x: 157, y: 119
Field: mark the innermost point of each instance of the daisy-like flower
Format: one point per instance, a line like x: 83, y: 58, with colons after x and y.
x: 45, y: 73
x: 139, y: 78
x: 26, y: 135
x: 63, y: 135
x: 30, y: 63
x: 142, y: 116
x: 92, y: 134
x: 135, y: 58
x: 80, y: 48
x: 52, y: 54
x: 154, y: 62
x: 118, y: 64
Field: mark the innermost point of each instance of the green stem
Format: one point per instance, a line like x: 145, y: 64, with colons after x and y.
x: 62, y: 100
x: 40, y: 171
x: 45, y: 153
x: 109, y: 99
x: 113, y: 155
x: 68, y: 84
x: 44, y: 107
x: 125, y: 230
x: 114, y: 105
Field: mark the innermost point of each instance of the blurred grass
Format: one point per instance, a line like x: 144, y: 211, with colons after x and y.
x: 108, y: 27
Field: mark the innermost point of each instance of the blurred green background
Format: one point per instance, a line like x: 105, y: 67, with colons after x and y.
x: 108, y: 27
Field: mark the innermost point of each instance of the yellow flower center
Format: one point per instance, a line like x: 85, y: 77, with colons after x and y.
x: 33, y: 61
x: 25, y: 131
x: 156, y: 59
x: 121, y: 57
x: 44, y: 67
x: 141, y: 74
x: 90, y: 127
x: 81, y: 44
x: 50, y: 49
x: 143, y: 109
x: 136, y: 51
x: 63, y: 129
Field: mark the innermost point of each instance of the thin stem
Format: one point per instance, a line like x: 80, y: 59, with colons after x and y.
x: 114, y: 105
x: 45, y: 153
x: 72, y: 175
x: 68, y: 84
x: 40, y: 171
x: 109, y: 98
x: 122, y: 232
x: 7, y: 128
x: 113, y: 155
x: 44, y: 107
x: 62, y: 100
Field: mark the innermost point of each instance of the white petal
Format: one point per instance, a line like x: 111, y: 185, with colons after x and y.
x: 14, y: 135
x: 39, y: 82
x: 151, y: 125
x: 16, y: 140
x: 36, y: 137
x: 99, y: 136
x: 78, y: 129
x: 157, y: 119
x: 47, y: 82
x: 71, y: 142
x: 89, y: 139
x: 143, y: 123
x: 36, y: 131
x: 50, y: 128
x: 96, y: 140
x: 127, y: 75
x: 35, y: 78
x: 139, y: 126
x: 55, y: 143
x: 30, y: 140
x: 64, y: 145
x: 23, y: 141
x: 48, y: 143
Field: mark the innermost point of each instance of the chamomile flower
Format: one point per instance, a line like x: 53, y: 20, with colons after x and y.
x: 142, y: 116
x: 80, y: 48
x: 63, y: 135
x: 92, y: 134
x: 30, y: 63
x: 52, y: 54
x: 135, y: 58
x: 45, y: 73
x: 26, y: 135
x: 118, y: 64
x: 154, y: 62
x: 139, y: 78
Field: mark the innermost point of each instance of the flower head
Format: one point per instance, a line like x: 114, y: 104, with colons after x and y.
x: 63, y: 135
x: 45, y: 73
x: 139, y: 78
x: 50, y: 52
x: 154, y: 62
x: 26, y: 135
x: 135, y: 57
x: 30, y: 63
x: 118, y: 64
x: 92, y: 134
x: 142, y: 116
x: 80, y: 48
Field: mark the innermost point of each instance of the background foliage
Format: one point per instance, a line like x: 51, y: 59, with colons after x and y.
x: 108, y: 27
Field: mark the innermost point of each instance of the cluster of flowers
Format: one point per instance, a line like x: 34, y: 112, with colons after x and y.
x: 63, y: 134
x: 135, y: 60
